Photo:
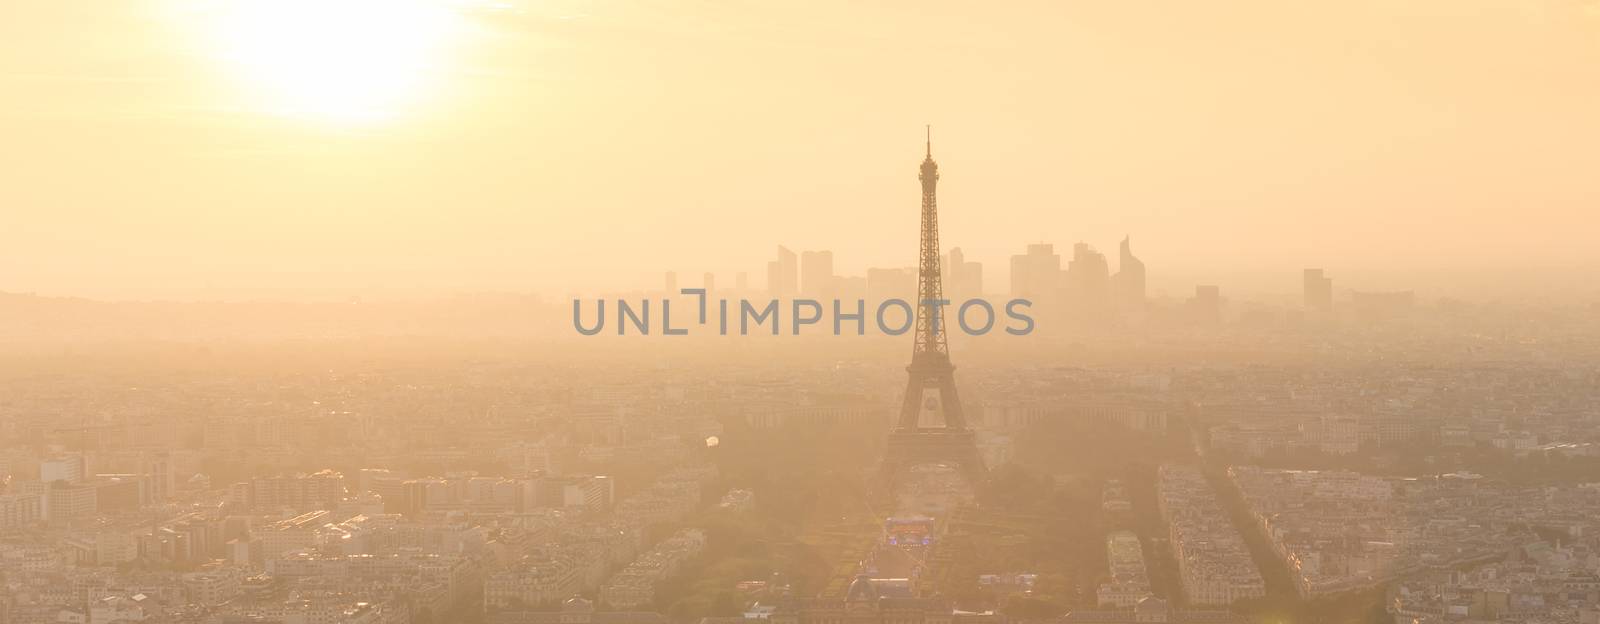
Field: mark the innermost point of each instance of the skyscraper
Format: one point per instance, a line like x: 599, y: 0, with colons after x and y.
x: 1088, y: 284
x: 816, y: 273
x: 783, y: 274
x: 1129, y: 281
x: 1318, y: 291
x: 1036, y: 275
x: 963, y: 280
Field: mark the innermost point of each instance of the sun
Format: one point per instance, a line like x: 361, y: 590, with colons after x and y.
x: 335, y: 60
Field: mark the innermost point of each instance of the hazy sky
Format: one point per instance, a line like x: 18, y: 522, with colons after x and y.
x: 177, y: 148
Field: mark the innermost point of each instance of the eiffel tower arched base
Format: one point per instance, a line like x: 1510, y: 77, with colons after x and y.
x: 932, y: 445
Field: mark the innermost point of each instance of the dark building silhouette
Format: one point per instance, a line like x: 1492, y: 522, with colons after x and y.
x: 1036, y: 275
x: 1129, y: 282
x: 783, y: 274
x: 963, y: 280
x: 816, y: 274
x: 1088, y: 285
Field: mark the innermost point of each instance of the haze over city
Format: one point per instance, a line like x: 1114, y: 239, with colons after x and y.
x: 642, y: 312
x: 182, y: 149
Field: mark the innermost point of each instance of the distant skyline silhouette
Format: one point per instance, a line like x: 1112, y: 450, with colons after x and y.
x: 558, y: 147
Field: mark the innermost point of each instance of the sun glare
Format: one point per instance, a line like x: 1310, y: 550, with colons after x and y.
x: 335, y: 60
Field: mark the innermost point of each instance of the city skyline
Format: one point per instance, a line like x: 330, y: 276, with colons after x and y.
x: 555, y: 147
x: 994, y: 274
x: 574, y: 312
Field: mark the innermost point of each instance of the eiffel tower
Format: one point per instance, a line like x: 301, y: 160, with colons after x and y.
x: 931, y: 387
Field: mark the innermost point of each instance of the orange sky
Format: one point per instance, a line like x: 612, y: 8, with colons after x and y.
x: 176, y: 148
